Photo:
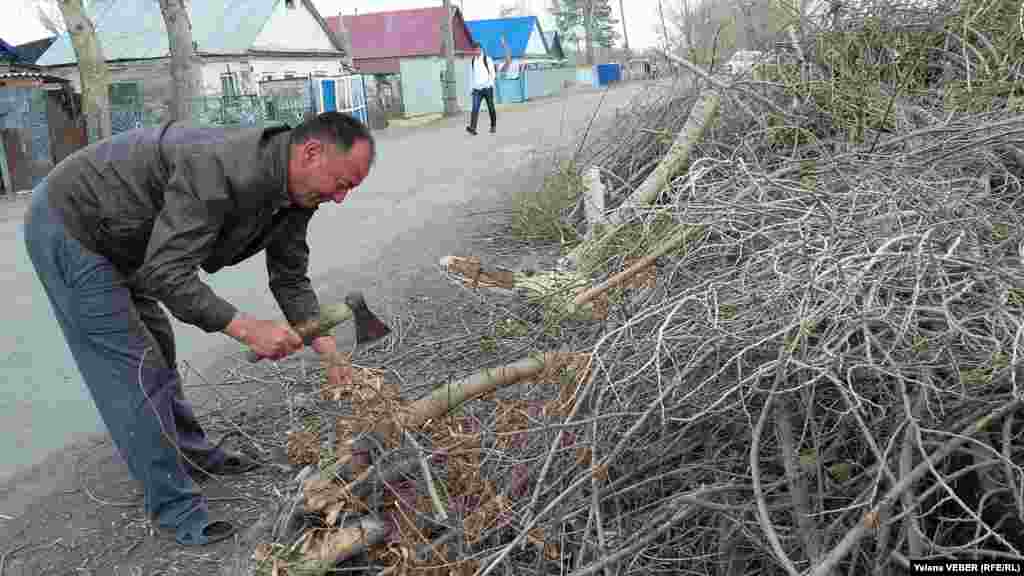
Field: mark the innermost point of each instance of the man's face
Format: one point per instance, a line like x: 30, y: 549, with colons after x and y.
x: 321, y: 172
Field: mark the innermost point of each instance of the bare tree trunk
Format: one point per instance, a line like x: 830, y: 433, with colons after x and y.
x: 625, y: 33
x: 92, y: 67
x: 184, y: 84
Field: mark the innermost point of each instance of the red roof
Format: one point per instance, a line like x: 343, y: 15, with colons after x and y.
x: 401, y: 33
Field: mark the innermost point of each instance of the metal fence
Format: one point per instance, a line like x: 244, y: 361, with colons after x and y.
x: 234, y: 111
x: 124, y: 118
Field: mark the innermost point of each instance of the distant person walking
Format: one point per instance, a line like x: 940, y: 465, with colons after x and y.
x: 483, y: 89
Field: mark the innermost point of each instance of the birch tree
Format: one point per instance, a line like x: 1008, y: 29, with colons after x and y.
x: 184, y: 81
x: 92, y: 65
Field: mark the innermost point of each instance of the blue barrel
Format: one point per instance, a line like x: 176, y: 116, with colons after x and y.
x: 608, y: 73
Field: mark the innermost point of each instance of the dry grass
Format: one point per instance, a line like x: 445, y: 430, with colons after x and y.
x: 536, y: 216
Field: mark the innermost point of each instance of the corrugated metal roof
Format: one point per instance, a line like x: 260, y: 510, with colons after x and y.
x: 515, y: 30
x: 31, y: 51
x: 134, y: 29
x: 400, y: 33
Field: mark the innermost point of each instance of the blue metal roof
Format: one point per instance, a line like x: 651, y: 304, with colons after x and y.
x: 8, y: 52
x: 516, y: 31
x: 134, y: 29
x: 31, y: 51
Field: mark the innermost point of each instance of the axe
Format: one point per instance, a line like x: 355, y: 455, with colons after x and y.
x: 368, y: 327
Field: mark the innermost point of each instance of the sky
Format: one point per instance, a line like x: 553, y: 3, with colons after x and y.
x: 642, y: 17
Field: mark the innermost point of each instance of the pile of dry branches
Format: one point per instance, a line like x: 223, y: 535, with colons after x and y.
x: 838, y: 355
x: 821, y: 375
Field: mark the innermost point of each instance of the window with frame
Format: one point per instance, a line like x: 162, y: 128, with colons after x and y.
x: 124, y: 93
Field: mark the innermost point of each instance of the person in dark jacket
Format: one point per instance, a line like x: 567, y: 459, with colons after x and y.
x: 124, y: 225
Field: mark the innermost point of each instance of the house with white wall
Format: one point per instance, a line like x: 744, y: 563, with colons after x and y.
x: 239, y: 45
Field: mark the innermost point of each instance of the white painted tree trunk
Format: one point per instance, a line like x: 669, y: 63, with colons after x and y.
x: 92, y: 67
x: 184, y: 77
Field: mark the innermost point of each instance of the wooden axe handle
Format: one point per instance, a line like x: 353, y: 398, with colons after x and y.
x: 329, y: 317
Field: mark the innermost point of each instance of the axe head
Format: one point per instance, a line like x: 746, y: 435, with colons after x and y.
x: 368, y: 326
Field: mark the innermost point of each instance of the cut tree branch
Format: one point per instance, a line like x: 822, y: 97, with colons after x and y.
x: 870, y: 518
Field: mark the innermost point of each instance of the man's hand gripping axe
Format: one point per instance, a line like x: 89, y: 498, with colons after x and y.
x: 368, y: 327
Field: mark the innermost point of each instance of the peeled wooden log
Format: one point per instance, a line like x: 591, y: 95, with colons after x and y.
x: 676, y: 240
x: 571, y: 286
x: 452, y: 395
x: 676, y: 160
x: 593, y: 198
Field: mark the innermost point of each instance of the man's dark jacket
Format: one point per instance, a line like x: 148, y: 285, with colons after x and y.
x: 160, y: 203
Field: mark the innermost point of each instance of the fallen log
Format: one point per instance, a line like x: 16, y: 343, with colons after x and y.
x: 678, y: 239
x: 675, y: 161
x: 450, y: 396
x: 569, y: 289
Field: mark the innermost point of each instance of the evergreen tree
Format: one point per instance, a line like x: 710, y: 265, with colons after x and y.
x: 566, y: 19
x: 605, y: 27
x: 591, y: 19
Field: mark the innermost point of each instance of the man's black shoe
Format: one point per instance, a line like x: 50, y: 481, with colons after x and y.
x: 471, y: 131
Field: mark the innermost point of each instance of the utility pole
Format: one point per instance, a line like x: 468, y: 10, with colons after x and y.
x: 448, y: 39
x: 625, y: 34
